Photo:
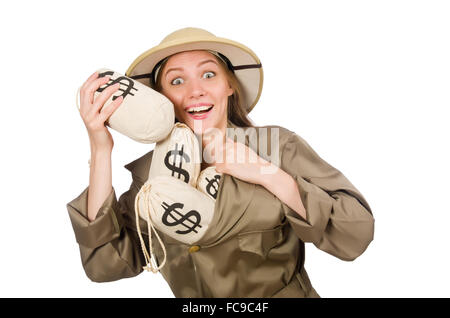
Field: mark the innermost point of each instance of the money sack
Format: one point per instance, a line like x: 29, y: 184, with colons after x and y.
x: 208, y: 182
x: 145, y: 115
x: 176, y: 199
x: 176, y: 208
x: 178, y: 156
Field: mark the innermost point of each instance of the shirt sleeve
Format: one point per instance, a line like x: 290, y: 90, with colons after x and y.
x: 338, y: 220
x: 109, y: 245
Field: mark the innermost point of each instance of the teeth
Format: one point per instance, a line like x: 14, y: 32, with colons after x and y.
x: 199, y: 109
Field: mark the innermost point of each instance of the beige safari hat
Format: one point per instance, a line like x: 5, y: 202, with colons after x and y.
x: 242, y: 61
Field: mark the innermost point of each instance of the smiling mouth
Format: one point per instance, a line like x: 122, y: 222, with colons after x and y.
x: 200, y: 110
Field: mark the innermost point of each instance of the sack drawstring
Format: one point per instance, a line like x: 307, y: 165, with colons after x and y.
x: 150, y: 260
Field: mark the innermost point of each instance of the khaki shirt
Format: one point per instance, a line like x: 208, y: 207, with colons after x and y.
x: 255, y: 245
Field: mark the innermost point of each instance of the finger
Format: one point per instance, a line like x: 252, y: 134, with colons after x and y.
x: 109, y: 109
x: 230, y: 154
x: 220, y: 167
x: 101, y: 99
x: 241, y: 152
x: 88, y: 98
x: 90, y: 79
x: 87, y: 83
x: 229, y: 140
x: 86, y: 92
x: 229, y: 145
x: 217, y: 154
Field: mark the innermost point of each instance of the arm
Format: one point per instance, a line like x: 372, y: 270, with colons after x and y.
x: 320, y: 203
x: 243, y: 163
x: 100, y: 181
x: 285, y: 188
x: 109, y: 246
x: 338, y: 219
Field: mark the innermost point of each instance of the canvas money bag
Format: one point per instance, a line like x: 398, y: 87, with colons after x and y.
x: 176, y: 199
x: 145, y: 115
x: 178, y: 156
x: 208, y: 182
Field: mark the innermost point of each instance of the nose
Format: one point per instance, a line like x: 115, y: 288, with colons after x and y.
x: 196, y: 89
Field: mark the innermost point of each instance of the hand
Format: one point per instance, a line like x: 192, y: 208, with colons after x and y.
x: 240, y: 161
x: 94, y: 113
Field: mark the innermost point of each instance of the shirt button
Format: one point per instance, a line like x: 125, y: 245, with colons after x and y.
x: 194, y: 248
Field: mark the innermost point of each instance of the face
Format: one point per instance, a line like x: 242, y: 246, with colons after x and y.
x: 198, y: 88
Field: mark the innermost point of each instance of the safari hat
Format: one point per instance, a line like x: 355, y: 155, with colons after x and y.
x: 242, y: 61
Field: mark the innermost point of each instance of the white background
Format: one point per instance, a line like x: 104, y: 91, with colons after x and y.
x: 366, y: 83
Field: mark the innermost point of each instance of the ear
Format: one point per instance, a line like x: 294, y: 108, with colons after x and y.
x: 230, y: 91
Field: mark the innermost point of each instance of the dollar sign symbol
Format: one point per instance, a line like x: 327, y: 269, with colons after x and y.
x: 173, y: 166
x: 213, y: 186
x: 122, y: 80
x: 180, y: 218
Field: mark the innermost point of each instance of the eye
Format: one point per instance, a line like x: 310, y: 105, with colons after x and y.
x: 209, y: 74
x: 177, y: 81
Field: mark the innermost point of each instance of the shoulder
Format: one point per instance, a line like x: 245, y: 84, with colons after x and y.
x: 292, y: 148
x: 262, y: 132
x: 289, y: 138
x: 140, y: 167
x: 282, y: 135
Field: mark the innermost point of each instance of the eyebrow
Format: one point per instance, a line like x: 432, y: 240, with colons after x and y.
x: 199, y: 64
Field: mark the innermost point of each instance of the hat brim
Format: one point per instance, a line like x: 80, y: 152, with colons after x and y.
x: 247, y: 66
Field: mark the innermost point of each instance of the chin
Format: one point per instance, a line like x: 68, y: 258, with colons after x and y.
x: 201, y: 126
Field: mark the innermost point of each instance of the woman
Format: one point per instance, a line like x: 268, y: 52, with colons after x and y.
x: 261, y: 220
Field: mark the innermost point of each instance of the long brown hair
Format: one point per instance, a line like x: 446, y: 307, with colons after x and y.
x: 236, y: 113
